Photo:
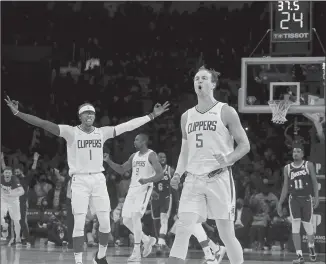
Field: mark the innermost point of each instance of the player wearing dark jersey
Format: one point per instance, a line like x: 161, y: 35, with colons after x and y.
x: 11, y: 190
x: 162, y: 201
x: 301, y: 183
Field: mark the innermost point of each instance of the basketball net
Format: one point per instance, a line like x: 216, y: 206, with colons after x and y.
x: 279, y: 110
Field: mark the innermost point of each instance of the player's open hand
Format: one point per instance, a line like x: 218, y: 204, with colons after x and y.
x: 36, y: 156
x: 175, y: 181
x: 315, y: 202
x: 13, y: 105
x: 160, y: 109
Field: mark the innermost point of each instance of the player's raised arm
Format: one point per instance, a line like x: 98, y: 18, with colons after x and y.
x: 121, y: 169
x: 314, y: 181
x: 153, y: 159
x: 33, y: 120
x: 285, y: 189
x: 231, y: 120
x: 183, y: 156
x: 111, y: 132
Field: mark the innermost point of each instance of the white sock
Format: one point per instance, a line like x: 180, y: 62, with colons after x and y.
x: 78, y: 257
x: 101, y: 251
x: 213, y: 246
x: 137, y: 248
x: 299, y: 252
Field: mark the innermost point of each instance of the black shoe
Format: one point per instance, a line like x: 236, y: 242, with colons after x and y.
x: 96, y: 260
x: 312, y: 254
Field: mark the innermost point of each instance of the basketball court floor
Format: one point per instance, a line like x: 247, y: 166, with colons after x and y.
x: 56, y: 255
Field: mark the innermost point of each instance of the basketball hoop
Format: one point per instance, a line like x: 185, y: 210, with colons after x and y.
x: 279, y: 110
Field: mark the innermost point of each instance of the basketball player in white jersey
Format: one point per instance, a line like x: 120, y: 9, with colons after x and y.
x: 85, y: 159
x: 146, y: 169
x: 207, y: 154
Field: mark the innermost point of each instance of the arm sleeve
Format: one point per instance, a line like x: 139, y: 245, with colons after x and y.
x: 131, y: 125
x: 183, y: 158
x: 67, y: 132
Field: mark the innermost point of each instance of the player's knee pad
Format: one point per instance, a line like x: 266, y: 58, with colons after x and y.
x: 308, y: 227
x: 296, y: 226
x: 104, y: 222
x: 79, y: 225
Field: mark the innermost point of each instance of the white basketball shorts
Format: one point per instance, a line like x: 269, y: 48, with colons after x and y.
x: 137, y: 200
x: 12, y: 206
x: 212, y: 198
x: 89, y: 190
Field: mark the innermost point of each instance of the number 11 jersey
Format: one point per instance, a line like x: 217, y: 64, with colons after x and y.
x: 300, y: 183
x: 206, y: 136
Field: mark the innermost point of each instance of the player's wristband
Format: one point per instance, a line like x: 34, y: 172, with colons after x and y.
x: 152, y: 116
x: 16, y: 113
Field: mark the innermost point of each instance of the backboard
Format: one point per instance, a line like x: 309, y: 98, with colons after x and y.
x: 270, y: 78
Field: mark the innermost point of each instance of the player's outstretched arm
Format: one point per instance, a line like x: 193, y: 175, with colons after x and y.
x: 121, y: 169
x: 153, y: 159
x: 231, y: 120
x: 285, y: 189
x: 33, y: 120
x: 111, y: 132
x: 314, y: 181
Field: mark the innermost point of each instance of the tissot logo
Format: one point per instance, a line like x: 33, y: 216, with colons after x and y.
x: 291, y: 36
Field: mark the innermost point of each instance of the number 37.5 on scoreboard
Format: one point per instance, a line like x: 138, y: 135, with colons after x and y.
x: 291, y: 21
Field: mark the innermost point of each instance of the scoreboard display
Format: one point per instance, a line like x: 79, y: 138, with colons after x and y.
x: 291, y: 21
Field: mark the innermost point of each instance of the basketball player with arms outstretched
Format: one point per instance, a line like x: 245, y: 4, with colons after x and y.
x: 207, y: 154
x: 301, y: 182
x: 85, y: 159
x: 146, y: 169
x: 161, y: 205
x: 11, y: 190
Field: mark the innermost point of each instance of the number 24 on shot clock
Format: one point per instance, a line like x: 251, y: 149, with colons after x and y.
x: 291, y: 21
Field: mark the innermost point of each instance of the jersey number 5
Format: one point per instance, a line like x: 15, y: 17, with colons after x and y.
x: 199, y: 140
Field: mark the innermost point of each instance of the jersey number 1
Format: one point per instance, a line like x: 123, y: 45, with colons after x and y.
x: 199, y: 140
x: 90, y: 154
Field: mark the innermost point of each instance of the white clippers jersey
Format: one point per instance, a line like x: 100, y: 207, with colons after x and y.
x: 206, y: 136
x: 141, y: 168
x: 85, y: 153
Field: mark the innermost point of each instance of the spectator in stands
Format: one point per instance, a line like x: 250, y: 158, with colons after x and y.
x: 259, y: 225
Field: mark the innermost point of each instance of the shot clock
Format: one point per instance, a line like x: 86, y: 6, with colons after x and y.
x: 291, y: 21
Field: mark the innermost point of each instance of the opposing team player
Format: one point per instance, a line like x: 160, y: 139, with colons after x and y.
x: 161, y: 206
x: 301, y: 182
x: 11, y: 190
x: 85, y: 159
x: 146, y: 169
x: 207, y: 154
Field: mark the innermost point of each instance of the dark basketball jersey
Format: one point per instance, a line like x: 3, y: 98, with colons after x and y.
x: 300, y: 183
x: 163, y: 186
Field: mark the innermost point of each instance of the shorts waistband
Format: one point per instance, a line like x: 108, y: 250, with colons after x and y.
x: 86, y: 173
x: 211, y: 174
